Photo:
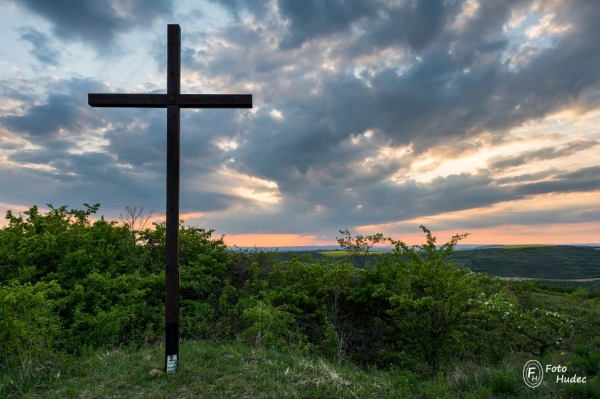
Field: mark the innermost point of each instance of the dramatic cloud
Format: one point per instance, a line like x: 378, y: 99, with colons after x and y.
x: 97, y: 22
x: 587, y: 179
x: 258, y: 8
x: 314, y: 18
x: 42, y: 48
x: 568, y: 149
x: 366, y: 114
x: 64, y: 110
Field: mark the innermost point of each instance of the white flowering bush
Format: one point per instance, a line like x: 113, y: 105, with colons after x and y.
x: 531, y: 330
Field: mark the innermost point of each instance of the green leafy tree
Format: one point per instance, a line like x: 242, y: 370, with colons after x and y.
x: 436, y: 318
x: 358, y: 247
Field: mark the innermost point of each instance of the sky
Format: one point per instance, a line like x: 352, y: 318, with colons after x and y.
x: 466, y: 116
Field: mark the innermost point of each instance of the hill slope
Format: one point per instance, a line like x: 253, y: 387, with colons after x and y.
x: 549, y: 262
x: 544, y: 262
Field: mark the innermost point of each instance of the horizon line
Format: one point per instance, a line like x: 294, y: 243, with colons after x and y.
x: 437, y: 245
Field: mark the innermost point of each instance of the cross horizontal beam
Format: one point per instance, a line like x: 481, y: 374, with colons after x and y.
x: 164, y: 100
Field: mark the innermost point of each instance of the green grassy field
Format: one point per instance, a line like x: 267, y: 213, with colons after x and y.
x: 342, y: 254
x: 526, y: 246
x: 209, y: 370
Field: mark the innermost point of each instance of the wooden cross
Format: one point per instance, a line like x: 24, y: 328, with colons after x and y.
x: 173, y: 101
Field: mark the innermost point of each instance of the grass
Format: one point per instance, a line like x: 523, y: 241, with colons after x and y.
x: 568, y: 286
x: 342, y: 254
x: 207, y: 370
x: 526, y: 246
x: 334, y: 254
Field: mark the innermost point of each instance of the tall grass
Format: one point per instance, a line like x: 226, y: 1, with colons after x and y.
x: 208, y: 370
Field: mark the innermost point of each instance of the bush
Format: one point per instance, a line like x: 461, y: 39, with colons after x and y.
x: 28, y: 323
x: 105, y: 310
x: 503, y: 383
x: 69, y: 284
x: 270, y: 327
x: 585, y: 361
x: 438, y: 316
x: 591, y: 389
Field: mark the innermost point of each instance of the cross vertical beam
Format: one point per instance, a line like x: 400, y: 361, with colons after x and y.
x: 173, y: 161
x: 173, y: 101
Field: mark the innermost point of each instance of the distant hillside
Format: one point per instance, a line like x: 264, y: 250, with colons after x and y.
x: 547, y: 262
x: 537, y: 262
x: 314, y: 248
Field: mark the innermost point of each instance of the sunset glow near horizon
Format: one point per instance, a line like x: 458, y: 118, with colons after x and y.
x: 476, y: 117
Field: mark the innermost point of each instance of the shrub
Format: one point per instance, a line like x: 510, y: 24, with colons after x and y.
x: 270, y: 327
x: 503, y: 383
x: 28, y: 323
x: 437, y: 316
x: 585, y: 361
x: 105, y: 310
